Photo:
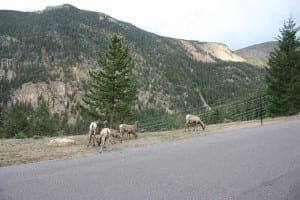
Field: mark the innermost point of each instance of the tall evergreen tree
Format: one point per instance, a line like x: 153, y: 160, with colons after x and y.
x: 283, y: 77
x: 112, y: 89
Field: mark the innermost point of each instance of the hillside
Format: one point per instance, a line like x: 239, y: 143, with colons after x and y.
x: 258, y: 53
x: 47, y: 55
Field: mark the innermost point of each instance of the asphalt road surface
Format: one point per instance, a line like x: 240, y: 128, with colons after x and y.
x: 251, y: 163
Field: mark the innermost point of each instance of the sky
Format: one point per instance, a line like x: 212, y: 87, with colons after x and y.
x: 236, y: 23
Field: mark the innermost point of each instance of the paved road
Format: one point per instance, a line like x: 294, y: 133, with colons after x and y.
x: 251, y: 163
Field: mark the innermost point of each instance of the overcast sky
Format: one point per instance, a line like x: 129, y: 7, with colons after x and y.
x: 237, y: 23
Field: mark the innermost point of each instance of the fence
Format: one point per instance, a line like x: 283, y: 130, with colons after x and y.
x: 252, y: 106
x: 239, y: 109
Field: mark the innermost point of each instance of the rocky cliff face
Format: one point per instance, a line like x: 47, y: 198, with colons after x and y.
x: 221, y: 51
x: 56, y: 93
x: 210, y: 51
x: 61, y: 97
x: 6, y: 71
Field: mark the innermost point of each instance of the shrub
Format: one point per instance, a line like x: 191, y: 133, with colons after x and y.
x: 20, y: 135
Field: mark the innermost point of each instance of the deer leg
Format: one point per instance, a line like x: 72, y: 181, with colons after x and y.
x: 101, y: 144
x: 90, y: 138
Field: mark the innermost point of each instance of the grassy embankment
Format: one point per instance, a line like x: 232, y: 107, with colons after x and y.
x: 20, y: 151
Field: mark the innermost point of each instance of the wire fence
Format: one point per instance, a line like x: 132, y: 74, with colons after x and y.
x: 249, y: 107
x: 241, y: 109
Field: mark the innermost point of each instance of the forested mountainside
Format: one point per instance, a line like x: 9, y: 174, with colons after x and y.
x: 47, y: 55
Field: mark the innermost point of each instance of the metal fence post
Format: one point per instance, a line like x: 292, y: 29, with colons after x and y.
x: 261, y: 110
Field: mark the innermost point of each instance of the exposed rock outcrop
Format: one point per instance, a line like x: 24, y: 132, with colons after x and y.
x: 58, y: 95
x: 61, y: 142
x: 221, y: 51
x: 196, y: 53
x: 208, y: 51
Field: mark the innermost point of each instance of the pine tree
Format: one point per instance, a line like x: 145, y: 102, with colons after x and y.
x: 283, y: 77
x: 16, y: 120
x: 112, y: 89
x: 42, y: 123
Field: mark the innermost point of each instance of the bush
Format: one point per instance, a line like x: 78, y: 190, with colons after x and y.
x: 20, y: 135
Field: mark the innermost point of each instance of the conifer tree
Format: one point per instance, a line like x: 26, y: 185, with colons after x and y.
x: 283, y: 77
x: 112, y: 89
x: 42, y: 123
x: 16, y: 120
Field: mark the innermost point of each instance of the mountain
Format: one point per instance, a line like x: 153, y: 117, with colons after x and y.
x: 258, y: 53
x: 47, y: 55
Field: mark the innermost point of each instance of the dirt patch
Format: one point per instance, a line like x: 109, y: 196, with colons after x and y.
x: 20, y: 151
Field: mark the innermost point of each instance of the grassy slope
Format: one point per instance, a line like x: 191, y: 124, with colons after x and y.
x: 20, y: 151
